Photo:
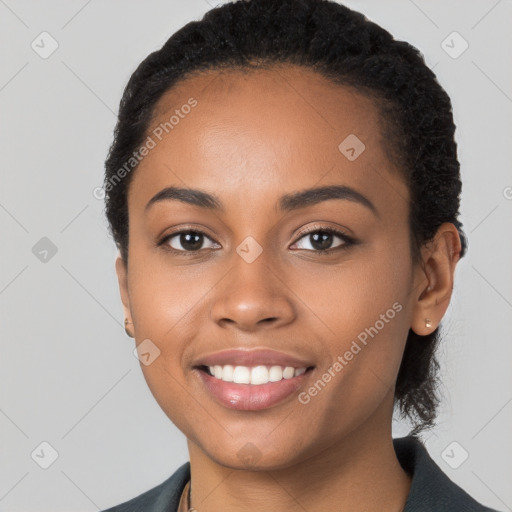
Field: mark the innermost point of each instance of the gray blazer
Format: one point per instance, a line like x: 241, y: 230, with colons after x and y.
x: 431, y: 490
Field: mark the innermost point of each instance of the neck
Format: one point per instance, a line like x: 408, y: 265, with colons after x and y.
x: 360, y: 473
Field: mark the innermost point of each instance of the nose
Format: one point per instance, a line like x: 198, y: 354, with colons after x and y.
x: 253, y: 296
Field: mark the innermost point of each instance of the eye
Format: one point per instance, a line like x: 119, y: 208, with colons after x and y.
x: 320, y: 240
x: 186, y: 241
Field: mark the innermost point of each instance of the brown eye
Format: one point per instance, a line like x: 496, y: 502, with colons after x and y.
x: 186, y: 241
x: 321, y: 240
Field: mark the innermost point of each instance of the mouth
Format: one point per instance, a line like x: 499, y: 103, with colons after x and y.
x: 252, y: 388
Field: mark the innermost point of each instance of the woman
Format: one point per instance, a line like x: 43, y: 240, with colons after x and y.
x: 283, y: 188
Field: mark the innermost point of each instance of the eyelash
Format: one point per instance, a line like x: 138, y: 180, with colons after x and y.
x: 348, y: 241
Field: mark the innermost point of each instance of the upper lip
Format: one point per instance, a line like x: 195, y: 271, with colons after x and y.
x: 246, y: 357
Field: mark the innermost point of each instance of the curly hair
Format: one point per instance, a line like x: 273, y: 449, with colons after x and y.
x: 346, y: 48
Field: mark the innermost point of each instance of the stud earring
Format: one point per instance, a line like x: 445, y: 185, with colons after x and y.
x: 427, y: 322
x: 126, y: 323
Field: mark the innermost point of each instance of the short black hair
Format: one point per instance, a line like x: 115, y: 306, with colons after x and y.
x: 345, y: 47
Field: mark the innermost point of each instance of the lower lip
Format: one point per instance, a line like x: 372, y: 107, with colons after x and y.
x: 250, y: 397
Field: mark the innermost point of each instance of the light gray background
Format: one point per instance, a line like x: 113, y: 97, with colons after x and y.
x: 68, y: 374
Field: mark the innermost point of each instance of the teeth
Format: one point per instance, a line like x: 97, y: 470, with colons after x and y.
x: 241, y: 375
x: 288, y: 372
x: 254, y: 375
x: 259, y: 375
x: 227, y: 373
x: 275, y: 373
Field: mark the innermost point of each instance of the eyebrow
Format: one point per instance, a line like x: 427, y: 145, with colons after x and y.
x: 288, y: 202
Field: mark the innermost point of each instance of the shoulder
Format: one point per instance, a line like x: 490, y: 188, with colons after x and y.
x: 164, y: 497
x: 431, y: 489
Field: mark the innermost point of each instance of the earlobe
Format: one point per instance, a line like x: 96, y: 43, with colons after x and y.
x: 440, y: 259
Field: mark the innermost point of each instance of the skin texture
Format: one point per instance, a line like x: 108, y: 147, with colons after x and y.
x: 252, y: 138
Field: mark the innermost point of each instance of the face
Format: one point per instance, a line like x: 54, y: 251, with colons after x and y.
x: 322, y: 282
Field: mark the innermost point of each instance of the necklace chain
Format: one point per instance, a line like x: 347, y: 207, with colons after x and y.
x: 189, y: 507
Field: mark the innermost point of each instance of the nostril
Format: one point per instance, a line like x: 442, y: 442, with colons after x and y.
x: 267, y: 320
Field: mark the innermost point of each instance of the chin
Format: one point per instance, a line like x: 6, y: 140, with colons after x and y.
x: 250, y: 458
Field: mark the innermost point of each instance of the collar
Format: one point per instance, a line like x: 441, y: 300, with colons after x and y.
x: 431, y: 489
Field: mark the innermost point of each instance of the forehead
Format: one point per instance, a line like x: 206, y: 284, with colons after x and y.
x: 282, y: 126
x: 293, y: 93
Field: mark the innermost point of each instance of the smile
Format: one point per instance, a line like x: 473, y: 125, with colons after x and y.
x: 255, y: 375
x: 252, y: 388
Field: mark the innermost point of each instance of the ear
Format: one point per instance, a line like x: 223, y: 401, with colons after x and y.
x: 434, y: 279
x: 122, y: 277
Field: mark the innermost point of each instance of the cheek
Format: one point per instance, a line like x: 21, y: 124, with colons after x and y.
x: 364, y: 314
x: 351, y: 297
x: 165, y: 305
x: 166, y: 300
